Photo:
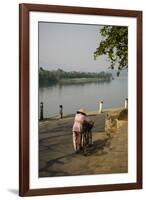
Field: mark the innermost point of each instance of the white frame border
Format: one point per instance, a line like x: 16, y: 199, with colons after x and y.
x: 129, y: 177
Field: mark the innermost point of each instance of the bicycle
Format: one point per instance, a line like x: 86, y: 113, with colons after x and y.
x: 86, y: 136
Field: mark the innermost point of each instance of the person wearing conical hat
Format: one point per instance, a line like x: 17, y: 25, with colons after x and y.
x: 80, y: 117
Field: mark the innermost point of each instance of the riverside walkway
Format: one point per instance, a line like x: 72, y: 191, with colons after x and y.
x: 57, y: 158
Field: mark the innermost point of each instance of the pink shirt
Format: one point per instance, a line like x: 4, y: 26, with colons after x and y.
x: 78, y: 122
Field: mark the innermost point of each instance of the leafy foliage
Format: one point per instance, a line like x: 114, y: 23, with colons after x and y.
x: 115, y: 45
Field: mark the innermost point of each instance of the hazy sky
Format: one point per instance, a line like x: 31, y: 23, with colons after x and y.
x: 70, y: 47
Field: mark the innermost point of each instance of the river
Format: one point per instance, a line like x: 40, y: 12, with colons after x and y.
x: 86, y: 96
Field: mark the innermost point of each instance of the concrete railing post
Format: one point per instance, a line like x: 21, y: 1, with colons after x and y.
x: 126, y: 103
x: 41, y: 111
x: 61, y: 111
x: 100, y: 107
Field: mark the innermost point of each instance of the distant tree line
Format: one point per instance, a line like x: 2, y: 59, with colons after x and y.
x: 55, y: 76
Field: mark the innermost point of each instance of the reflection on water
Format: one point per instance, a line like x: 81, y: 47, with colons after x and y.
x: 85, y: 95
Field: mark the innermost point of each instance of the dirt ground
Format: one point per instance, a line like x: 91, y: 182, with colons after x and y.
x: 56, y: 156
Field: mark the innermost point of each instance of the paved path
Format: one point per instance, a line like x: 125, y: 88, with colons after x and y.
x: 57, y: 158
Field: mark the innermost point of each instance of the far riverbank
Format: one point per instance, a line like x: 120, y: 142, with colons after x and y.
x: 59, y: 76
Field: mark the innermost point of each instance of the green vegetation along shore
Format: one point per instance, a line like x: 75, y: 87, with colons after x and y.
x: 59, y: 76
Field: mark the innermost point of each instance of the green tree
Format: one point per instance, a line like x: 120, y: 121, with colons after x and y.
x: 114, y: 44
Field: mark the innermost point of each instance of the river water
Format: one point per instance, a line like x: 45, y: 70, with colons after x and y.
x: 86, y: 96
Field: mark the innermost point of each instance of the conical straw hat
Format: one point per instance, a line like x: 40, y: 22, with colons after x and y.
x: 81, y: 110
